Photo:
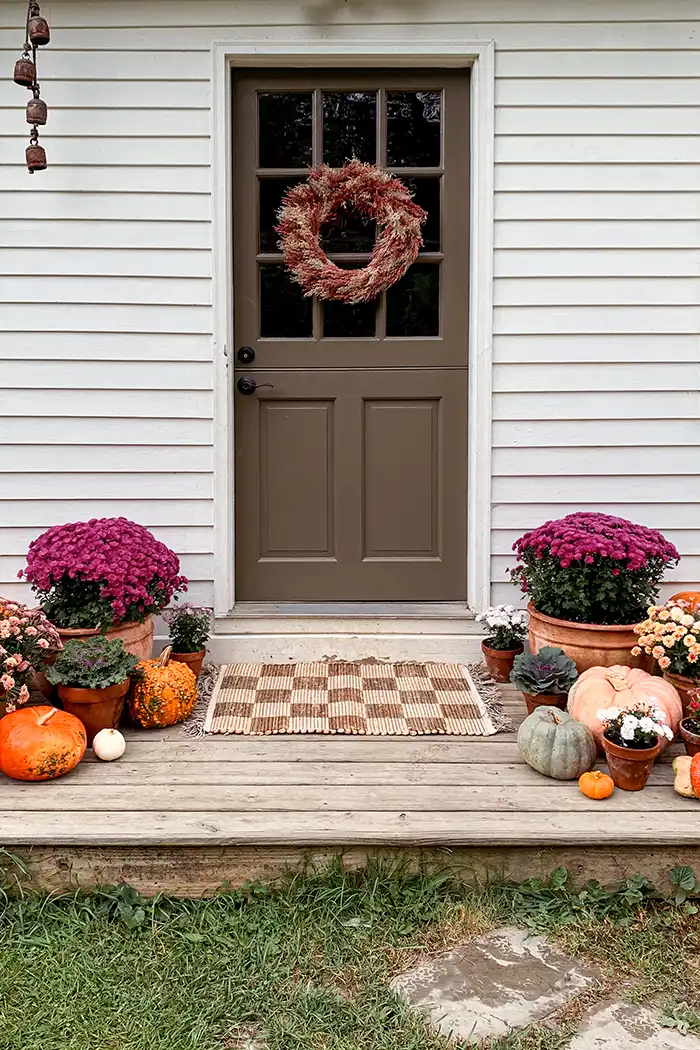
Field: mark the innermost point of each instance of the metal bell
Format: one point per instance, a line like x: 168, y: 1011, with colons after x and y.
x: 37, y: 28
x: 36, y: 158
x: 25, y: 72
x: 37, y: 111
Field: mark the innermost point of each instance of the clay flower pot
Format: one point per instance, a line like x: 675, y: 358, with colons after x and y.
x: 535, y: 700
x: 96, y: 708
x: 137, y: 637
x: 499, y: 661
x: 587, y: 644
x: 630, y: 766
x: 691, y: 740
x: 684, y: 686
x: 193, y: 660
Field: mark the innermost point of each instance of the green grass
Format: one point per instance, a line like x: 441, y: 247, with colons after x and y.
x: 303, y: 966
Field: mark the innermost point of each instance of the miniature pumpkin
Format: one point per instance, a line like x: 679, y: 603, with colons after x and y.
x: 555, y: 744
x: 695, y: 774
x: 691, y: 597
x: 165, y: 693
x: 40, y: 743
x: 108, y: 745
x: 596, y: 784
x: 623, y: 687
x: 681, y: 769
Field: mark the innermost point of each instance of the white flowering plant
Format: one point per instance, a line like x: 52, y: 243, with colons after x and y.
x: 640, y: 727
x: 506, y: 625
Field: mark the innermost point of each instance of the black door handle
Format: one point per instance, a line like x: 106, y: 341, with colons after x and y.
x: 247, y: 385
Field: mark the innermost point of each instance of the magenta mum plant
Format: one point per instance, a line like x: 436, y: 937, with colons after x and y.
x: 101, y: 572
x: 592, y: 568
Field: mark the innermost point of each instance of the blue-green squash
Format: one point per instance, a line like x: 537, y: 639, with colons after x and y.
x: 556, y: 745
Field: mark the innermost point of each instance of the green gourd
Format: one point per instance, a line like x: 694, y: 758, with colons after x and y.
x: 555, y: 744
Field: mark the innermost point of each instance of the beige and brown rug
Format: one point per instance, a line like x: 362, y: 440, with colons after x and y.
x: 363, y: 698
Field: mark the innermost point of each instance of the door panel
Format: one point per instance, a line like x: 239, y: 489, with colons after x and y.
x: 351, y: 468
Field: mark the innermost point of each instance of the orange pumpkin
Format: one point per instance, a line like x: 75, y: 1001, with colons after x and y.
x: 623, y: 687
x: 695, y: 774
x: 596, y: 784
x: 691, y: 597
x: 165, y: 693
x: 40, y: 743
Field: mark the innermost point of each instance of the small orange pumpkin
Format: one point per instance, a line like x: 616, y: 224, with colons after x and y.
x: 694, y: 774
x: 40, y: 743
x: 691, y: 597
x: 165, y: 693
x: 596, y: 784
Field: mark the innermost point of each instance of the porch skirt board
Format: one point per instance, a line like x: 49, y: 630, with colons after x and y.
x: 360, y: 698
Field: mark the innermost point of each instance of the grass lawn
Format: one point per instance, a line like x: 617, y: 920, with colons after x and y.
x: 305, y: 965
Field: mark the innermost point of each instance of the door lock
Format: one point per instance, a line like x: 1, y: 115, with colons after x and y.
x: 245, y: 355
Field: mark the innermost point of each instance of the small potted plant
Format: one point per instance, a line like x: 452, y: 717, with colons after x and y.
x: 506, y: 628
x: 27, y: 643
x: 544, y: 678
x: 631, y: 741
x: 670, y: 634
x: 93, y: 678
x: 105, y: 575
x: 690, y: 725
x: 590, y: 578
x: 190, y: 627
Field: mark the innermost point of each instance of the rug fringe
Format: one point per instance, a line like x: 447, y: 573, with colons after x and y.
x: 194, y: 725
x: 490, y: 693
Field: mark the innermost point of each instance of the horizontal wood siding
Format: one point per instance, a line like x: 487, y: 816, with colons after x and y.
x: 105, y: 273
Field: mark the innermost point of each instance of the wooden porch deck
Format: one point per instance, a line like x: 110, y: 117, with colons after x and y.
x: 184, y: 816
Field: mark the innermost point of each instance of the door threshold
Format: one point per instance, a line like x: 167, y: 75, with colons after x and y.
x: 354, y: 610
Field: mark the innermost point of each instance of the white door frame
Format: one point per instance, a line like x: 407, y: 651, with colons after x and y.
x: 479, y: 56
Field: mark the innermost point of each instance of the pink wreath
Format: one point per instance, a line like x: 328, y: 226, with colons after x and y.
x: 372, y: 192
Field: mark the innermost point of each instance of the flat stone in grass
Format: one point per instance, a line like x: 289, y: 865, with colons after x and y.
x: 496, y: 983
x: 625, y: 1026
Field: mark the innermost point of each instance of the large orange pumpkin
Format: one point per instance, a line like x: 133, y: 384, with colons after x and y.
x: 623, y: 687
x: 40, y: 743
x: 165, y: 693
x: 691, y: 597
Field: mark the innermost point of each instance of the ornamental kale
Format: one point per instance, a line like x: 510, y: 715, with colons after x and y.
x: 94, y: 664
x: 189, y: 627
x: 592, y: 568
x: 101, y: 572
x: 549, y: 672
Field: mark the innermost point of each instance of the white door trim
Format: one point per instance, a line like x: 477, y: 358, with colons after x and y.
x: 480, y: 57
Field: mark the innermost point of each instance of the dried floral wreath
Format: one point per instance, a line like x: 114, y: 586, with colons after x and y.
x: 373, y: 193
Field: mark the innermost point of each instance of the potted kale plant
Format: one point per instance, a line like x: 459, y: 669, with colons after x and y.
x: 544, y: 678
x: 93, y: 678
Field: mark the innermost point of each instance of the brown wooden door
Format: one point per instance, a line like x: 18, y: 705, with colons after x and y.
x: 351, y: 465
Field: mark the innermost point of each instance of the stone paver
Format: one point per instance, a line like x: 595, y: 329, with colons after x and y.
x: 505, y: 980
x: 624, y: 1026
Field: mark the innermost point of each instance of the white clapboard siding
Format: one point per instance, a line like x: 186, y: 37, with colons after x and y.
x: 105, y: 294
x: 197, y: 567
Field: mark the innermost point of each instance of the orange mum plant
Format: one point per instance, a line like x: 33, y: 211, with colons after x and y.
x: 671, y: 635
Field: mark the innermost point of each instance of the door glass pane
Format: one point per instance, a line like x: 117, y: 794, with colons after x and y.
x: 349, y: 320
x: 348, y: 232
x: 426, y: 192
x: 413, y: 128
x: 413, y: 303
x: 285, y: 129
x: 285, y: 312
x: 271, y: 193
x: 349, y: 127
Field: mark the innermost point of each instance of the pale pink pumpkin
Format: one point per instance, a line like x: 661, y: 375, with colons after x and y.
x: 624, y: 687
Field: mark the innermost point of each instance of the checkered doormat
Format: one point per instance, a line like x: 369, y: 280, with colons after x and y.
x: 373, y: 699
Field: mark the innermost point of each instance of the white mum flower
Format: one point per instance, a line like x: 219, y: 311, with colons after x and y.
x: 647, y: 725
x: 667, y: 732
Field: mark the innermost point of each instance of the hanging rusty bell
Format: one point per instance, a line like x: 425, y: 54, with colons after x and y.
x: 25, y: 72
x: 36, y: 158
x: 38, y: 31
x: 37, y: 111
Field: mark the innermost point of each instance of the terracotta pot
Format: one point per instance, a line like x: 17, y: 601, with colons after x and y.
x: 691, y: 740
x: 630, y: 766
x: 587, y: 644
x: 685, y: 686
x: 96, y: 708
x: 137, y: 637
x: 499, y: 661
x: 535, y: 700
x: 193, y: 660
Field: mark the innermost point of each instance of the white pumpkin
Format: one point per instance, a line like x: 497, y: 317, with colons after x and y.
x: 108, y: 745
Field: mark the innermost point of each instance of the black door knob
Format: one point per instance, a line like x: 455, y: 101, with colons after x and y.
x: 245, y: 355
x: 247, y: 385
